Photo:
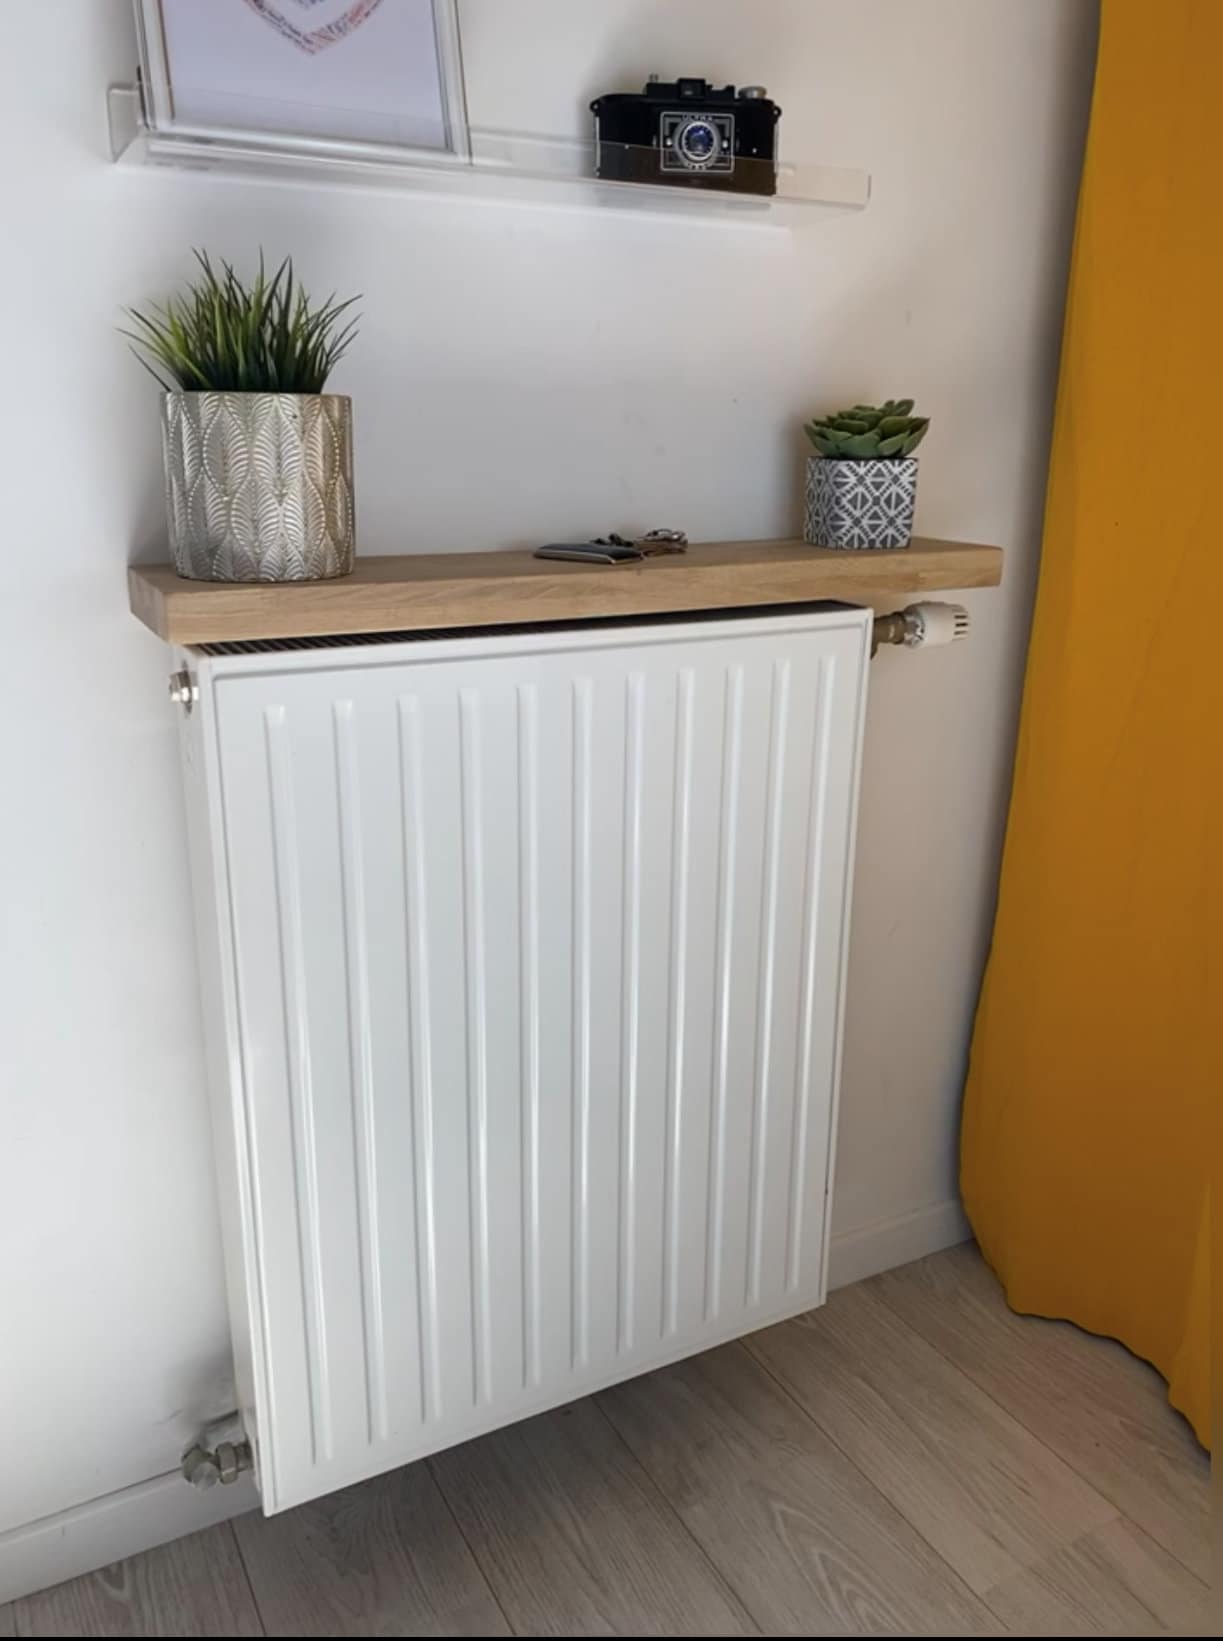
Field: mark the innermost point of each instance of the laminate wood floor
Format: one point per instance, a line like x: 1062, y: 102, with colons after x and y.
x: 911, y: 1459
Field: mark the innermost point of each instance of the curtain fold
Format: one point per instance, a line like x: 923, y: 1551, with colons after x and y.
x: 1096, y: 1074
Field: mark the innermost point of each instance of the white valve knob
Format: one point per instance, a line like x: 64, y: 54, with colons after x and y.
x: 935, y: 624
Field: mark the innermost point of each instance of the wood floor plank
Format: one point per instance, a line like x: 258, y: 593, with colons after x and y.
x: 574, y: 1537
x: 933, y: 1464
x: 1115, y: 1581
x: 807, y: 1544
x: 981, y: 1489
x: 384, y: 1558
x: 194, y: 1586
x: 1101, y: 1408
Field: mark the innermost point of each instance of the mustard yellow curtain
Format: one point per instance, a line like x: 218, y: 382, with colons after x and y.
x: 1096, y: 1074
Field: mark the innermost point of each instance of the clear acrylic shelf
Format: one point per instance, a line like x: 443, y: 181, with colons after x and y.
x: 507, y: 166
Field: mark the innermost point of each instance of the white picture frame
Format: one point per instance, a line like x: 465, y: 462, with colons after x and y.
x: 362, y: 95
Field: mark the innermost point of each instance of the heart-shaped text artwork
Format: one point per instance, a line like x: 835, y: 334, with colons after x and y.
x: 352, y: 14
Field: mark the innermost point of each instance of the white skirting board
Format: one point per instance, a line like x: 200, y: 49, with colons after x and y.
x: 117, y: 1525
x: 855, y: 1255
x: 139, y: 1518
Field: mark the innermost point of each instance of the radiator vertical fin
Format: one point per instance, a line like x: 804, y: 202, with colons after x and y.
x: 528, y: 934
x: 420, y: 1062
x: 630, y: 1004
x: 287, y: 878
x: 816, y: 843
x: 477, y: 1039
x: 676, y: 996
x: 770, y: 889
x: 728, y: 846
x: 361, y: 1070
x: 580, y: 1184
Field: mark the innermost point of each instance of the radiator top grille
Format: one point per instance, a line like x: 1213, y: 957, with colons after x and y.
x: 423, y: 635
x: 326, y: 641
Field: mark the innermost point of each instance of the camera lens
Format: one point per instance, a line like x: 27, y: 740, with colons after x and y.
x: 698, y: 142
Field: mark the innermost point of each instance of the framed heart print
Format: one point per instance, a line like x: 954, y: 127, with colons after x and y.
x: 319, y: 75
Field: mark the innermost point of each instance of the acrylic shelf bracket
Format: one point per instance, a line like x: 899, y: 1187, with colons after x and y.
x: 506, y: 167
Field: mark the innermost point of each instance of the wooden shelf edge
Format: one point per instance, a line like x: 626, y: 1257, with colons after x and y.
x: 428, y: 592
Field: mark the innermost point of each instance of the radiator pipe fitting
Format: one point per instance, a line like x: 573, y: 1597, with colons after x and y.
x: 204, y: 1467
x: 920, y: 625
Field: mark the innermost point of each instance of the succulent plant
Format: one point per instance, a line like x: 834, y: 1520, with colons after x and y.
x: 869, y: 432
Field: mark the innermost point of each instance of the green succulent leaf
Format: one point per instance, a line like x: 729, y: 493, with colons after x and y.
x: 892, y: 446
x: 862, y: 445
x: 901, y: 407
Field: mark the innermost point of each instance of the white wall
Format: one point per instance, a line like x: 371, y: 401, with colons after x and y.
x: 521, y: 374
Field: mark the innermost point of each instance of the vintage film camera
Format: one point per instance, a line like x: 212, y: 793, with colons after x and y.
x: 689, y: 134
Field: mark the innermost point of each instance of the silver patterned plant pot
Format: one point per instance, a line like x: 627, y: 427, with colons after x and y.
x: 259, y: 485
x: 859, y: 504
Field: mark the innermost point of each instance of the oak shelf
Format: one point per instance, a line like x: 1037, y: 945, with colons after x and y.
x: 434, y: 591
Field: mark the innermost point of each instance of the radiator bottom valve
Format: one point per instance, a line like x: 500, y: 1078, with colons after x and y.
x: 206, y: 1466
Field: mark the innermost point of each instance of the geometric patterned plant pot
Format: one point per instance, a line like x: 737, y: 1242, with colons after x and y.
x: 859, y: 504
x: 259, y: 485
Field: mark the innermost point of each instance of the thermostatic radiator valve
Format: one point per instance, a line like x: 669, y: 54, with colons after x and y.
x: 921, y: 624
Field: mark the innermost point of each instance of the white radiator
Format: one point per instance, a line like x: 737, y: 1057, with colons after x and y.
x: 522, y: 959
